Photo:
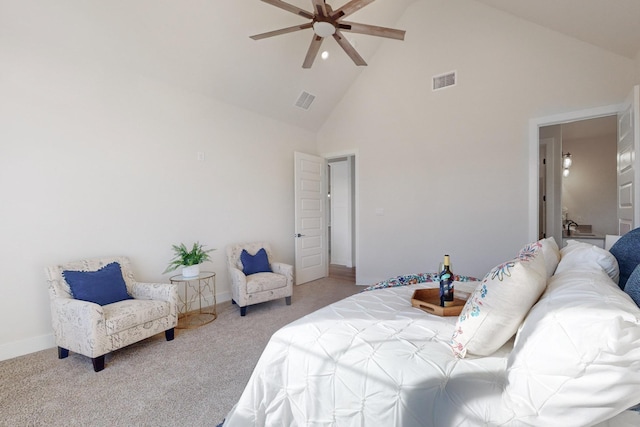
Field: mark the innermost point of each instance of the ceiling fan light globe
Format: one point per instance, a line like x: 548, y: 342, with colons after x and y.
x: 323, y: 29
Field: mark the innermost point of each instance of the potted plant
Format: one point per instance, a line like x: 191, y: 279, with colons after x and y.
x: 189, y: 260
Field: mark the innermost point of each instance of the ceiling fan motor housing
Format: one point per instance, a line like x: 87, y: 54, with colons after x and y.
x: 326, y: 23
x: 324, y: 28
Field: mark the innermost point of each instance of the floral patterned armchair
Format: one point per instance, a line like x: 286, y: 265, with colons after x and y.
x: 249, y: 289
x: 94, y: 330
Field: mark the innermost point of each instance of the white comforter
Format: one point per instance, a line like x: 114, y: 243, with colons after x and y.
x: 370, y: 360
x: 374, y: 360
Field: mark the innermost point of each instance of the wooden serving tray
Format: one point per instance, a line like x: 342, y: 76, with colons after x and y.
x: 429, y: 301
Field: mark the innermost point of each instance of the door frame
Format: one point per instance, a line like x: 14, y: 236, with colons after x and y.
x: 534, y: 151
x: 346, y: 217
x: 356, y: 201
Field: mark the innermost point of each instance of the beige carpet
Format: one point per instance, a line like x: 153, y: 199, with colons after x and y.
x: 193, y: 380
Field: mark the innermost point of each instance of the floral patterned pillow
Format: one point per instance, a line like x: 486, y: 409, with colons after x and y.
x: 500, y: 303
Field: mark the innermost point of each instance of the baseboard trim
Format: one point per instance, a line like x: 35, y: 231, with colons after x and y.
x: 223, y: 297
x: 26, y: 346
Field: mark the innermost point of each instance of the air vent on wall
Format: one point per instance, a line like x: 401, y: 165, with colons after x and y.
x: 444, y: 80
x: 304, y: 100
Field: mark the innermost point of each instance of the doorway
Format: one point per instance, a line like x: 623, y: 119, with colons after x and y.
x: 628, y: 164
x: 584, y: 192
x: 341, y: 217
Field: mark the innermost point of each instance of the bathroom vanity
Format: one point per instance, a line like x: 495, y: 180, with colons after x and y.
x: 583, y: 233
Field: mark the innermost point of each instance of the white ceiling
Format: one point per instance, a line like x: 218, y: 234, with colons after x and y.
x: 204, y: 46
x: 591, y: 128
x: 610, y: 24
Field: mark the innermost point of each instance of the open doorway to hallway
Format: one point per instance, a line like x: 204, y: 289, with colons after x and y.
x: 584, y: 192
x: 341, y: 221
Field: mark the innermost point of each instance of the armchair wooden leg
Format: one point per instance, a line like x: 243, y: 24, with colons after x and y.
x: 233, y: 302
x: 288, y: 300
x: 169, y: 334
x: 98, y: 363
x: 62, y: 353
x: 243, y: 310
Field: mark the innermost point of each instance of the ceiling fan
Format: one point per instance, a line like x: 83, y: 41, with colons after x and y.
x: 326, y: 22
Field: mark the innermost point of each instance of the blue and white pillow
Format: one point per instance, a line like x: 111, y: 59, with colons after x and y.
x: 495, y: 310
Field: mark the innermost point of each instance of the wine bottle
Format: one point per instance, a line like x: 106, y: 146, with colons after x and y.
x: 446, y: 284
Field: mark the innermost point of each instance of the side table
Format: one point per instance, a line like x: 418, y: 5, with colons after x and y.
x: 203, y: 287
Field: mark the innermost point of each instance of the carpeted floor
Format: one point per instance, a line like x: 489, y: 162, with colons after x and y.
x: 193, y: 380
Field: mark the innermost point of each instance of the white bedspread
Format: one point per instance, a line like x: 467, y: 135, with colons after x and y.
x: 370, y: 360
x: 374, y: 360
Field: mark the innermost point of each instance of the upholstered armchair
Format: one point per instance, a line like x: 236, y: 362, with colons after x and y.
x: 97, y: 306
x: 255, y: 277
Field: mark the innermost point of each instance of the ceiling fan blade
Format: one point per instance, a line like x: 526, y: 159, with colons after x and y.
x: 372, y: 30
x: 353, y: 54
x: 316, y: 42
x: 282, y: 31
x: 320, y: 7
x: 349, y: 8
x: 290, y: 8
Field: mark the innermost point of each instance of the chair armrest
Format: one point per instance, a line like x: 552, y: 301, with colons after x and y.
x: 79, y: 326
x: 238, y: 286
x: 284, y: 269
x: 238, y: 278
x: 155, y: 291
x: 69, y: 308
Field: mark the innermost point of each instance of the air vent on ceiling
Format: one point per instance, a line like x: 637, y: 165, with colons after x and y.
x: 304, y: 100
x: 444, y: 80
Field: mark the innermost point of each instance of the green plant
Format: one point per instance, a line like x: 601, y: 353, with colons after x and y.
x: 185, y: 257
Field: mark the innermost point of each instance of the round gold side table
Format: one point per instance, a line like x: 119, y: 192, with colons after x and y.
x: 197, y: 289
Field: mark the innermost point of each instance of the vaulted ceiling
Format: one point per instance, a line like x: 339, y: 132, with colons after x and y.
x: 204, y: 46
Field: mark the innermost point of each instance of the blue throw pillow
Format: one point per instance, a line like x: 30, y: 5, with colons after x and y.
x: 258, y: 263
x: 633, y: 285
x: 104, y: 286
x: 627, y: 252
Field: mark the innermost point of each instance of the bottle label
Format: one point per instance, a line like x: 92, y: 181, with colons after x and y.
x: 446, y: 285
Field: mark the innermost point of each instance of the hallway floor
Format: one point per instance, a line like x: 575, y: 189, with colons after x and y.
x: 342, y: 272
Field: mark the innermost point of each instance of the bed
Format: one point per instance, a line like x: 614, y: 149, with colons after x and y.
x: 566, y: 353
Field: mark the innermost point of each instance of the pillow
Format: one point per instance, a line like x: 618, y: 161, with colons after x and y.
x: 627, y: 253
x: 551, y: 254
x: 576, y: 358
x: 587, y: 256
x: 494, y: 311
x: 258, y: 263
x: 632, y: 288
x: 103, y: 286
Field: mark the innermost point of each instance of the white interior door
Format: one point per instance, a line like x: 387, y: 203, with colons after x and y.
x: 627, y: 169
x: 310, y: 218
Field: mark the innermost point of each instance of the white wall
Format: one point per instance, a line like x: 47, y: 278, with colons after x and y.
x: 97, y: 161
x: 340, y: 213
x: 450, y: 168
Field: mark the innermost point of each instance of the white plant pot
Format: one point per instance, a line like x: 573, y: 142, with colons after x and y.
x: 191, y: 271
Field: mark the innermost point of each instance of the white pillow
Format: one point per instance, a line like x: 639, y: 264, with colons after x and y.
x: 586, y: 255
x: 551, y: 254
x: 576, y: 359
x: 499, y: 303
